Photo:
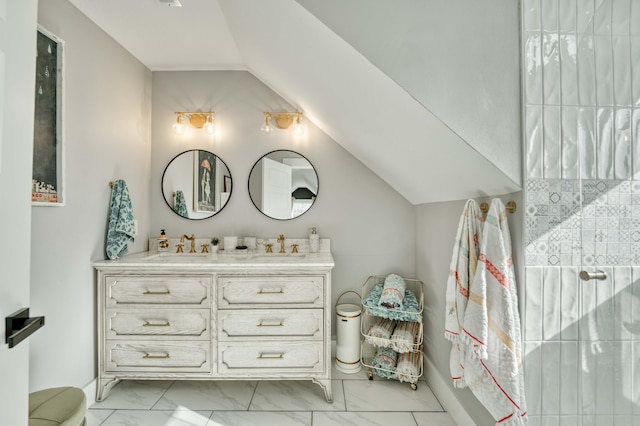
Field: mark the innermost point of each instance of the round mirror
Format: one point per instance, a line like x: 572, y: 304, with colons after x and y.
x: 283, y: 184
x: 196, y: 184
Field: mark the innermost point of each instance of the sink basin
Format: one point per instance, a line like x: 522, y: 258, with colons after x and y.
x: 166, y: 257
x: 261, y: 256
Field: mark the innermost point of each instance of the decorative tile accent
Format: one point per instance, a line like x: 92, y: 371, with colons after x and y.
x: 606, y: 230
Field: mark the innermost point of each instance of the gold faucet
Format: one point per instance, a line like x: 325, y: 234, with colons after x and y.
x: 281, y: 241
x: 192, y: 238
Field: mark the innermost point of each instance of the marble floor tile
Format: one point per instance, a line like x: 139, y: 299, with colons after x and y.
x: 434, y: 419
x: 262, y: 418
x: 338, y: 375
x: 287, y: 395
x: 363, y: 418
x: 95, y: 417
x: 158, y: 418
x: 207, y: 395
x: 388, y: 395
x: 134, y: 394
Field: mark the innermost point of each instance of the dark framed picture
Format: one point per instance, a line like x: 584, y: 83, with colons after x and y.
x: 47, y: 188
x: 227, y: 183
x: 204, y: 168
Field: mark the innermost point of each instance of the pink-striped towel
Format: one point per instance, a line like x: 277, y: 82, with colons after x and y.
x: 405, y: 336
x: 380, y: 333
x: 408, y: 368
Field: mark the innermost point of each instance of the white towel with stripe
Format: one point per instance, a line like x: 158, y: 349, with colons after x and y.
x: 491, y: 328
x: 461, y: 271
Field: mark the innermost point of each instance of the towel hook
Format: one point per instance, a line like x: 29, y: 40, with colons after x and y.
x: 510, y: 207
x: 484, y: 207
x: 111, y: 183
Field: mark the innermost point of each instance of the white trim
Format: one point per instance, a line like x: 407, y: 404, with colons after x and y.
x: 60, y: 128
x: 446, y: 396
x: 90, y: 392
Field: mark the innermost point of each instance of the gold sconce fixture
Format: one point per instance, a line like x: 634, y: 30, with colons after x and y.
x: 283, y: 120
x: 199, y: 120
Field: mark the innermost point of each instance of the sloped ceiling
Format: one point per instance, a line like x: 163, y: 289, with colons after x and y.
x: 339, y: 89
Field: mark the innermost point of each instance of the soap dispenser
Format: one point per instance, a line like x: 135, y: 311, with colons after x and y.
x: 163, y: 242
x: 314, y: 241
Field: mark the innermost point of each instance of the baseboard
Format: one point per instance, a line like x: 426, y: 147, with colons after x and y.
x: 445, y: 395
x: 90, y: 392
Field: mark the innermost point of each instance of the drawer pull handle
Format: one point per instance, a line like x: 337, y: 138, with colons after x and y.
x: 270, y: 291
x: 148, y: 356
x: 271, y: 356
x: 149, y: 324
x: 154, y: 293
x: 274, y: 323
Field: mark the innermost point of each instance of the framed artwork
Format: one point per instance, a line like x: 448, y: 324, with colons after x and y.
x: 227, y: 183
x: 47, y: 187
x: 204, y: 172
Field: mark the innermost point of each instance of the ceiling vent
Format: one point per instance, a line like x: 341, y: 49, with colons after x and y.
x: 172, y: 3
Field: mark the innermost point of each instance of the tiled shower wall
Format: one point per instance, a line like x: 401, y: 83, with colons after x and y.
x: 581, y: 67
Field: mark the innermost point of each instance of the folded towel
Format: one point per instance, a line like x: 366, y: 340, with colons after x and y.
x: 392, y: 292
x: 411, y: 309
x: 121, y: 226
x: 380, y: 332
x: 384, y: 363
x: 180, y: 205
x: 408, y: 368
x: 405, y: 336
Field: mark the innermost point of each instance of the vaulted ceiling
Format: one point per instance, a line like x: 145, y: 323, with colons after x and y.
x: 393, y: 131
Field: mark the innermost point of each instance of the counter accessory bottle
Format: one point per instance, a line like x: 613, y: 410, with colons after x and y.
x: 163, y: 242
x: 314, y: 241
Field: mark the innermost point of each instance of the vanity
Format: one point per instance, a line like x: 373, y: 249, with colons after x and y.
x: 248, y: 316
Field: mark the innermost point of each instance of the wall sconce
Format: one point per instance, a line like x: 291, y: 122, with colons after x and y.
x: 199, y: 120
x: 283, y: 120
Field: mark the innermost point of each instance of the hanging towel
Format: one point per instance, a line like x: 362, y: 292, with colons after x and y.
x: 491, y: 327
x: 464, y: 260
x: 121, y: 227
x: 180, y: 205
x: 392, y: 292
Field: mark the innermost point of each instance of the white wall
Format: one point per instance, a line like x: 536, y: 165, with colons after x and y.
x: 370, y: 224
x: 460, y: 59
x: 17, y: 77
x: 107, y: 125
x: 436, y: 226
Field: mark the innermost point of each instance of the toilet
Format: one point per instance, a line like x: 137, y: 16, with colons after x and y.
x: 64, y: 406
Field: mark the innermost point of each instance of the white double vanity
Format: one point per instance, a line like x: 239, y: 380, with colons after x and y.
x: 247, y: 316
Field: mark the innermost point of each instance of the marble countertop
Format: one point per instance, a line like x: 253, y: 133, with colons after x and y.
x: 220, y: 260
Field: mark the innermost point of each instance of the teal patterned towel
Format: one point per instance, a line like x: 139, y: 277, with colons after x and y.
x: 121, y: 227
x: 384, y: 363
x: 392, y: 292
x: 410, y: 307
x: 180, y: 205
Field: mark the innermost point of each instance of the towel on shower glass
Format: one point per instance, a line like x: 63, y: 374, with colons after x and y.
x: 464, y: 260
x: 180, y: 205
x: 392, y: 292
x: 408, y: 368
x: 380, y: 333
x: 385, y: 362
x: 121, y: 226
x: 493, y: 367
x: 405, y: 336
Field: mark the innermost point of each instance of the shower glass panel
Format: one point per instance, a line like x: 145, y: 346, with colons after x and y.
x: 581, y: 94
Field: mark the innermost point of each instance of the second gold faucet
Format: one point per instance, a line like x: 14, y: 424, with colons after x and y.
x: 192, y: 238
x: 281, y: 241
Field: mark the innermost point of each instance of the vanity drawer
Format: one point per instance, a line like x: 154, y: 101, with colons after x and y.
x: 299, y: 323
x: 167, y: 290
x: 270, y: 291
x: 192, y: 323
x: 270, y: 357
x: 158, y: 357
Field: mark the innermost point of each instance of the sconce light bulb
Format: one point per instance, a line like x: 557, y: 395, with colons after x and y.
x: 266, y: 127
x: 210, y: 126
x: 298, y: 128
x: 178, y: 127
